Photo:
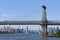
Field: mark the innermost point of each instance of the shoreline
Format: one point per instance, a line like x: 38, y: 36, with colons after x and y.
x: 53, y: 36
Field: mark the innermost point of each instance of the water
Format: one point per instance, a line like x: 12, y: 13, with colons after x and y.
x: 31, y: 36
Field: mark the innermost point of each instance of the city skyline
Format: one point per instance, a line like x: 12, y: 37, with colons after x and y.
x: 28, y: 9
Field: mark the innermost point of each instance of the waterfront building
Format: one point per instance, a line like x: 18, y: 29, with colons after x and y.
x: 49, y: 30
x: 57, y: 29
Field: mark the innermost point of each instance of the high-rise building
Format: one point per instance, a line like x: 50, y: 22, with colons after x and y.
x: 49, y: 31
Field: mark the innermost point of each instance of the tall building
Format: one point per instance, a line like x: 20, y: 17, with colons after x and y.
x: 49, y: 31
x: 57, y: 29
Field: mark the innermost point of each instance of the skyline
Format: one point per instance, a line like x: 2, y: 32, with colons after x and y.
x: 28, y: 9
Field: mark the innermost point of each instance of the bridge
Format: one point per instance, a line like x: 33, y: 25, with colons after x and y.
x: 44, y: 22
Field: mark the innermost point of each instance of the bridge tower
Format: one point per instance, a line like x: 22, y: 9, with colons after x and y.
x: 44, y: 21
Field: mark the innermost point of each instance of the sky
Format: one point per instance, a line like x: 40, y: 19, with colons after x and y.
x: 29, y: 10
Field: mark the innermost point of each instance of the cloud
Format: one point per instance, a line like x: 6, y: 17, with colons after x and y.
x: 6, y: 15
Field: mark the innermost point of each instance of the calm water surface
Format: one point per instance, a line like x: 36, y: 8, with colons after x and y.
x: 32, y: 36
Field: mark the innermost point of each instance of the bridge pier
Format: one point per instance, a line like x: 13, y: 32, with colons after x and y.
x: 44, y: 32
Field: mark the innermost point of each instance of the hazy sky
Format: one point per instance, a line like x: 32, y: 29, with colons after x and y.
x: 28, y: 10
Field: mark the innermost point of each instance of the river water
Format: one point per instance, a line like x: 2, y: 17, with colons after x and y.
x: 20, y: 36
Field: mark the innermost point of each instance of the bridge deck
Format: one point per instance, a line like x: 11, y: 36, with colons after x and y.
x: 20, y: 22
x: 49, y: 22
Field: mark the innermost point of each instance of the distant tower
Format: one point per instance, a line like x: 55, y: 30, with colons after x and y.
x: 27, y: 30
